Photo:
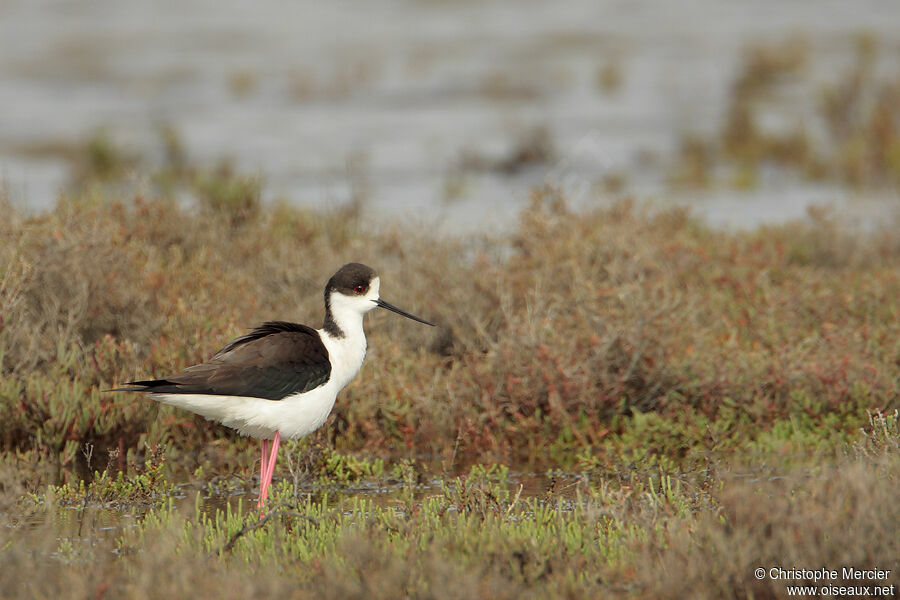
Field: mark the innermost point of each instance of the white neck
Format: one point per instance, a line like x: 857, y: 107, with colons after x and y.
x: 343, y: 318
x: 344, y: 339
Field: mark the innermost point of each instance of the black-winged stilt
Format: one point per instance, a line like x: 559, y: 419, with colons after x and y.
x: 281, y: 379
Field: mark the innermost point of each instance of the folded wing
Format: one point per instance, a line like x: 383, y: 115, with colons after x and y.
x: 275, y: 360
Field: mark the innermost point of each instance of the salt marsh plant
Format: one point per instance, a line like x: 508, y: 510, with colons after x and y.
x: 477, y: 535
x: 642, y: 338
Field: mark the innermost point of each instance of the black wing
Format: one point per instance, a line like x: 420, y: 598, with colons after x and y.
x: 273, y: 361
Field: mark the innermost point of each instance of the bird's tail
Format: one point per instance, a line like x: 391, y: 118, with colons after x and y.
x: 150, y: 385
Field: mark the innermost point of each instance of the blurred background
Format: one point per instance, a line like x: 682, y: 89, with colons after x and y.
x: 449, y: 113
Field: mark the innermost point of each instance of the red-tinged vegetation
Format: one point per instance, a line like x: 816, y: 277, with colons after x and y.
x: 551, y: 340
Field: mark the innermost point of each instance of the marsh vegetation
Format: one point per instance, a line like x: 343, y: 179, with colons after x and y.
x: 617, y: 401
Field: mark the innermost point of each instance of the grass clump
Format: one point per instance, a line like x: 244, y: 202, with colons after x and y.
x: 850, y: 132
x: 146, y: 486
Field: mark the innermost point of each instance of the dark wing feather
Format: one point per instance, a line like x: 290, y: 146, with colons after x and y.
x: 273, y: 361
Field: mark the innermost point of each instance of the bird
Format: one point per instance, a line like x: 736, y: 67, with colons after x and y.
x: 281, y: 379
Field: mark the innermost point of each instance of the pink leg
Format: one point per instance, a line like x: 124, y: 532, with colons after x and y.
x: 263, y: 467
x: 270, y: 469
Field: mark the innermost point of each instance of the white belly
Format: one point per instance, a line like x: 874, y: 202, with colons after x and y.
x: 294, y: 416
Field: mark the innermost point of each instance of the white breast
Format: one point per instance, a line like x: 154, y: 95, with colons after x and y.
x: 345, y: 353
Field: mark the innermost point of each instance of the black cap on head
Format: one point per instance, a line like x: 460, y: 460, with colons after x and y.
x: 348, y: 277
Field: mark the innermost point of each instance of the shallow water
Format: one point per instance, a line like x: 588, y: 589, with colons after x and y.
x: 81, y: 526
x: 386, y: 491
x: 379, y: 100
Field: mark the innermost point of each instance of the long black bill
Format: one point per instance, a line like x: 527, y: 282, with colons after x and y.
x: 389, y: 306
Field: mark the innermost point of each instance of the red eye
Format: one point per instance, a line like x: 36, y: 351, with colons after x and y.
x: 360, y: 289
